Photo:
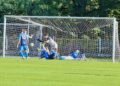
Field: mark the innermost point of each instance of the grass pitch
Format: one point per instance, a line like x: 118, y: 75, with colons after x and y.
x: 35, y: 72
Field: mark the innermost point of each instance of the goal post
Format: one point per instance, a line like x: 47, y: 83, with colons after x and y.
x: 116, y: 46
x: 97, y: 37
x: 4, y: 36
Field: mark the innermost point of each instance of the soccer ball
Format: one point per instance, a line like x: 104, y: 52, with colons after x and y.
x: 32, y: 44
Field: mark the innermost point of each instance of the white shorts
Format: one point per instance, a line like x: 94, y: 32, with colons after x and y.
x: 55, y: 46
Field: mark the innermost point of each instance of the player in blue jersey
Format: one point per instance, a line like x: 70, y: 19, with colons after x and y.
x: 75, y: 54
x: 72, y: 56
x: 23, y: 43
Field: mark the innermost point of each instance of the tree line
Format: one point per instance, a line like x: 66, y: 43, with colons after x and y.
x: 81, y: 8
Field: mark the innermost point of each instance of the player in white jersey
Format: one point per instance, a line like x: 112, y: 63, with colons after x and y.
x: 51, y: 42
x: 51, y: 45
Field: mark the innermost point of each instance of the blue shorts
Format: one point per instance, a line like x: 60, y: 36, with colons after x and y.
x: 24, y: 48
x: 45, y: 54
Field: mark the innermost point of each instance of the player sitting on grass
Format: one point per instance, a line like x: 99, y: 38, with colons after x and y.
x: 45, y: 53
x: 50, y: 48
x: 23, y: 43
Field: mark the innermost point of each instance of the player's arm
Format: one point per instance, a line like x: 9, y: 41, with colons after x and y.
x: 19, y: 40
x: 46, y: 48
x: 18, y: 43
x: 40, y: 40
x: 30, y: 36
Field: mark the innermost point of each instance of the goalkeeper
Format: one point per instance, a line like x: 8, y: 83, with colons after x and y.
x: 52, y: 47
x: 23, y: 43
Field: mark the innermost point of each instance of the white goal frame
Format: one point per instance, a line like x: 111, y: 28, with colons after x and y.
x: 114, y: 27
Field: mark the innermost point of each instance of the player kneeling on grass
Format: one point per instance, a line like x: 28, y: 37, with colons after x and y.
x: 45, y: 53
x: 23, y: 43
x: 50, y: 48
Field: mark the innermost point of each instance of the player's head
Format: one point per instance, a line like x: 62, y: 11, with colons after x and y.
x: 77, y: 51
x: 24, y: 30
x: 46, y: 37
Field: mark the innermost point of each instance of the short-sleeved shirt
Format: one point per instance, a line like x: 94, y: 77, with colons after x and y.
x: 23, y: 38
x: 52, y: 43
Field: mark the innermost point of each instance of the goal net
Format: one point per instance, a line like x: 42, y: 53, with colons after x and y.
x: 1, y: 39
x: 96, y: 37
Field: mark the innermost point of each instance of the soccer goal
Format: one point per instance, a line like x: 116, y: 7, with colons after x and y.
x: 97, y: 37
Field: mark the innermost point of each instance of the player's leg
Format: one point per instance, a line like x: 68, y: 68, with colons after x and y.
x: 54, y: 54
x: 66, y: 58
x: 57, y: 55
x: 26, y: 48
x: 55, y: 51
x: 44, y: 54
x: 21, y: 51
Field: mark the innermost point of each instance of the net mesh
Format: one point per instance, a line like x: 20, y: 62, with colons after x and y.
x: 92, y: 36
x: 1, y: 38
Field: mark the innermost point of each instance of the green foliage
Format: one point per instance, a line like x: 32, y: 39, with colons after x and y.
x: 60, y: 7
x: 97, y: 8
x: 85, y: 37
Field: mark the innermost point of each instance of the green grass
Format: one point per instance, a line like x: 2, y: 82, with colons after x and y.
x: 35, y: 72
